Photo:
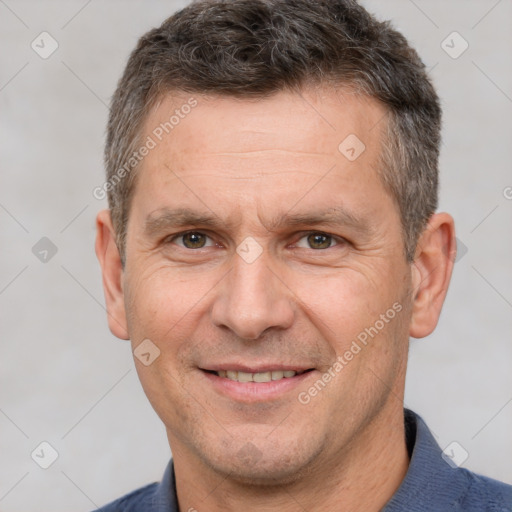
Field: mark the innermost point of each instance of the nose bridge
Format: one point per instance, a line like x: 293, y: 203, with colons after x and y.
x: 252, y: 299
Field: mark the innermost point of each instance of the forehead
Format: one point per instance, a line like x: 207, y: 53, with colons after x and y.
x: 314, y: 120
x: 261, y: 152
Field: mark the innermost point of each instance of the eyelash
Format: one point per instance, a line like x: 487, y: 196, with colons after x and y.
x: 338, y: 240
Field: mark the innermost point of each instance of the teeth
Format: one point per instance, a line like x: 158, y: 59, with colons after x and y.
x: 244, y: 377
x: 256, y: 377
x: 262, y: 377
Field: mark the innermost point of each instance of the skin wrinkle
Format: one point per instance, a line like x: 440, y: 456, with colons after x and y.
x: 267, y: 93
x: 292, y: 305
x: 357, y: 54
x: 164, y: 220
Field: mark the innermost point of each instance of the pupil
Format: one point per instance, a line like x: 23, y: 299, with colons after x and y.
x: 319, y: 241
x: 194, y: 240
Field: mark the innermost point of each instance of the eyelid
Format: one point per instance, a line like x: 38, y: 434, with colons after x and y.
x: 337, y: 238
x: 173, y: 238
x: 303, y: 234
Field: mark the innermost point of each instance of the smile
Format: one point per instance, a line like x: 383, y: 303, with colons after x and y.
x: 258, y: 377
x: 256, y: 386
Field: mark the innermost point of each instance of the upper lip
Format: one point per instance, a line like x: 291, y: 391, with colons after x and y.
x: 260, y: 368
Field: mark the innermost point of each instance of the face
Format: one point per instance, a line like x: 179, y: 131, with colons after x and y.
x: 261, y: 258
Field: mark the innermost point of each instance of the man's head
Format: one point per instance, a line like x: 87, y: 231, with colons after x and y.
x: 283, y: 222
x: 254, y: 49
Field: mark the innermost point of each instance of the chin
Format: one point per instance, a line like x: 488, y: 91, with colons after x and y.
x: 263, y: 463
x: 268, y: 473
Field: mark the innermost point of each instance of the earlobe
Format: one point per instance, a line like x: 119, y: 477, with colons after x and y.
x: 431, y: 273
x: 112, y: 272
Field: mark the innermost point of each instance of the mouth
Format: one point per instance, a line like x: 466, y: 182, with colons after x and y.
x: 252, y: 385
x: 266, y: 376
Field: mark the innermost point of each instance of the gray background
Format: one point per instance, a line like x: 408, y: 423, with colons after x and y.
x: 66, y: 380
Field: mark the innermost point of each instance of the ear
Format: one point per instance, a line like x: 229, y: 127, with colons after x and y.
x: 431, y: 273
x: 112, y: 271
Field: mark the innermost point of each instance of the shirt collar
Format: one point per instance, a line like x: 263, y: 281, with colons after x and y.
x: 430, y: 482
x: 165, y: 498
x: 428, y: 479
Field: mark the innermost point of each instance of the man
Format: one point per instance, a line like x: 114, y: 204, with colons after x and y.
x: 270, y: 247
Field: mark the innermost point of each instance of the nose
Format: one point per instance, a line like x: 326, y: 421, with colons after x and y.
x: 252, y: 299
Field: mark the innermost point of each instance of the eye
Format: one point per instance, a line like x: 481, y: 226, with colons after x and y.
x: 192, y: 240
x: 317, y: 241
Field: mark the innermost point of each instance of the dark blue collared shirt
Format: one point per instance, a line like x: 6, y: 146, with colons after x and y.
x: 432, y: 484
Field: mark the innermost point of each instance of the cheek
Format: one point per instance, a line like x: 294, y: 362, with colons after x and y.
x: 162, y: 301
x: 342, y: 305
x: 165, y: 308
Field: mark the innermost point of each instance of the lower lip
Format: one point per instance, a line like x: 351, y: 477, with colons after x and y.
x: 255, y: 391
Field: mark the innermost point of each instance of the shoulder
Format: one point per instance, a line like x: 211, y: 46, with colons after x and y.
x: 485, y: 494
x: 139, y: 500
x: 435, y: 483
x: 157, y: 497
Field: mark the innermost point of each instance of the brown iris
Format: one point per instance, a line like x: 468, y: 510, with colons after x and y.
x: 319, y: 241
x: 194, y: 240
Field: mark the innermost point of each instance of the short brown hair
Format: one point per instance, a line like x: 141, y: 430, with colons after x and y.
x: 253, y: 48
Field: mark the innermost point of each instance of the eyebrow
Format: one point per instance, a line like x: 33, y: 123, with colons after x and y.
x: 335, y: 217
x: 165, y: 219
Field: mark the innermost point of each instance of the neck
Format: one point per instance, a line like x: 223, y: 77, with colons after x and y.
x: 364, y: 476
